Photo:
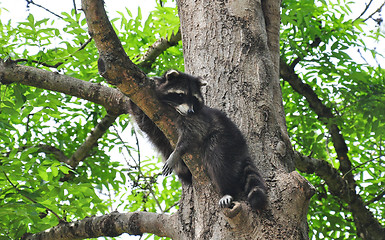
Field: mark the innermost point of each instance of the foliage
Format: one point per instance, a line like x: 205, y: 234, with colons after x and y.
x: 324, y: 37
x: 137, y: 36
x: 34, y: 195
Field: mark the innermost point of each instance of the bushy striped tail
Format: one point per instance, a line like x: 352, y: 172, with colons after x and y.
x: 255, y: 188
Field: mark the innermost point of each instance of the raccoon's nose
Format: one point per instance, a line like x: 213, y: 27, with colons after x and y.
x: 190, y: 111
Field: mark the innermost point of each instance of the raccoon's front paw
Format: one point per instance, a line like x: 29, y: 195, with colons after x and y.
x: 167, y: 169
x: 226, y: 201
x: 170, y: 163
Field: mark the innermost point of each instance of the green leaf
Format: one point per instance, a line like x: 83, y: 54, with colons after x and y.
x: 43, y: 173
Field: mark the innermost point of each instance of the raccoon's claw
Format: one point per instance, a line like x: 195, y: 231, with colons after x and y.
x: 167, y: 170
x: 226, y: 201
x: 170, y: 163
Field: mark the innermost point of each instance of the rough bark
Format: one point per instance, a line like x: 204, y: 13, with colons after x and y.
x: 110, y: 225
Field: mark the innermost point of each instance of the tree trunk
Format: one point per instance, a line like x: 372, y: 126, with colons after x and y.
x: 234, y: 46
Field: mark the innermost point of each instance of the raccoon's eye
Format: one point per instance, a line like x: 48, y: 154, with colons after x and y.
x: 179, y: 96
x: 175, y: 97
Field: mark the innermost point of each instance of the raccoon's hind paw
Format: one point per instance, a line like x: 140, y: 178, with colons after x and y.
x: 226, y: 201
x: 167, y: 169
x: 257, y: 198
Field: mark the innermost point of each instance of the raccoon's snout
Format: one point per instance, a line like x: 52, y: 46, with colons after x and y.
x: 190, y: 111
x: 185, y: 109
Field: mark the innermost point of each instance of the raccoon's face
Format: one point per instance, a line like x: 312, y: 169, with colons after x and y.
x: 181, y: 91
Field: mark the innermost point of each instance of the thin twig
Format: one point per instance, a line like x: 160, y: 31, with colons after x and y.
x: 125, y: 146
x: 137, y: 144
x: 371, y: 15
x: 169, y: 208
x: 73, y: 1
x: 378, y: 10
x: 362, y: 56
x: 361, y: 164
x: 363, y: 12
x: 59, y: 63
x: 30, y: 199
x: 155, y: 198
x: 137, y: 162
x: 38, y: 62
x: 38, y: 5
x: 377, y: 198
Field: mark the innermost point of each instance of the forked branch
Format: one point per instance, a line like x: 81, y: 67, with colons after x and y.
x: 325, y: 115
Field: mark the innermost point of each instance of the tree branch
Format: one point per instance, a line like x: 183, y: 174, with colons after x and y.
x: 82, y: 152
x: 109, y: 225
x: 115, y: 66
x: 59, y: 154
x: 112, y: 99
x: 367, y: 225
x: 158, y: 48
x: 325, y: 115
x: 378, y: 10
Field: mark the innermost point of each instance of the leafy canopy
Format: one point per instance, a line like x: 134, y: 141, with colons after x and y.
x: 326, y: 39
x: 34, y: 194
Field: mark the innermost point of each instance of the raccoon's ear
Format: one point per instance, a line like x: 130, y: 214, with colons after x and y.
x: 170, y: 74
x: 202, y: 82
x: 157, y: 80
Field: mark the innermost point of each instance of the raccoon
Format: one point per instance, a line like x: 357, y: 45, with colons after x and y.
x: 220, y: 143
